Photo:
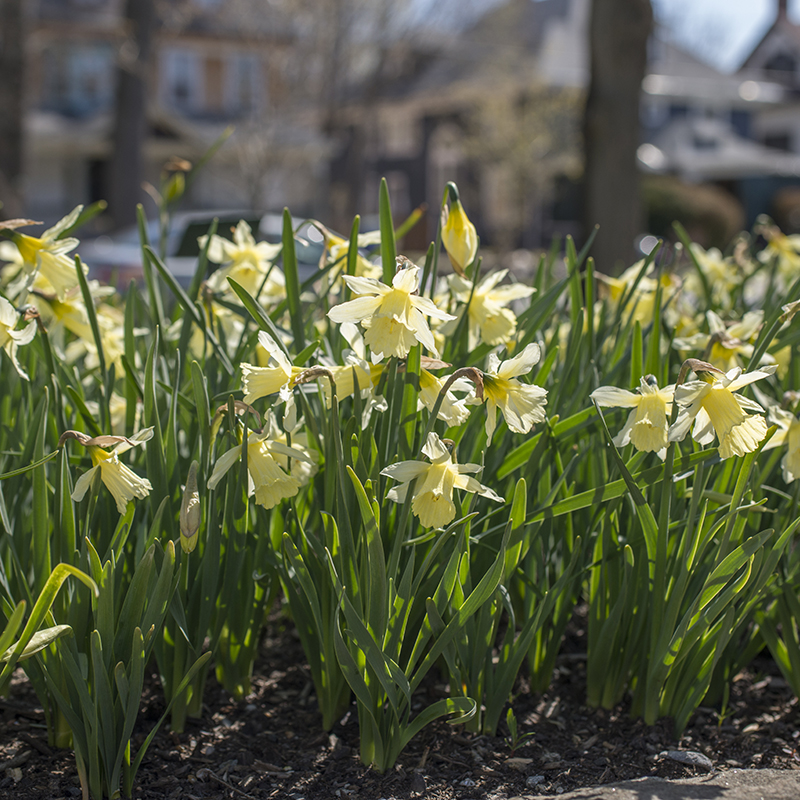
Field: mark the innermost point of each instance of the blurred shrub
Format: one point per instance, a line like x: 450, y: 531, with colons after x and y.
x: 786, y: 209
x: 710, y: 215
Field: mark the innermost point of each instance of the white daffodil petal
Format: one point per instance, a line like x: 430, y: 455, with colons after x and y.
x: 612, y: 397
x: 82, y: 484
x: 223, y: 464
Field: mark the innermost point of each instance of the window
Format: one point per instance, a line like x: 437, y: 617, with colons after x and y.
x: 78, y: 79
x: 182, y: 81
x: 781, y: 141
x: 244, y: 84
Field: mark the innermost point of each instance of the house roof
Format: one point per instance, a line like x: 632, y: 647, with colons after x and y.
x: 709, y: 150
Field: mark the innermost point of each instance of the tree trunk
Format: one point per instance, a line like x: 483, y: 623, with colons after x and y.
x: 618, y: 34
x: 130, y: 116
x: 12, y: 70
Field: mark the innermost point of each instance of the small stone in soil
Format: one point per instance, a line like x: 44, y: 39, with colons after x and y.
x: 689, y: 757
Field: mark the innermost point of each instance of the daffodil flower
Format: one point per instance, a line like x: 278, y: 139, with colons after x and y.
x: 47, y: 254
x: 730, y: 345
x: 247, y: 262
x: 723, y: 275
x: 266, y: 479
x: 489, y: 319
x: 788, y: 433
x: 452, y: 410
x: 640, y: 302
x: 11, y: 339
x: 458, y: 236
x: 338, y: 250
x: 394, y: 317
x: 786, y: 251
x: 715, y: 410
x: 121, y: 481
x: 647, y: 424
x: 433, y: 490
x: 522, y: 404
x: 277, y: 377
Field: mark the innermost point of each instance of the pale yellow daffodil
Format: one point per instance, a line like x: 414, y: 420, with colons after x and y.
x: 246, y: 261
x: 394, y: 317
x: 788, y: 434
x: 489, y: 319
x: 522, y: 404
x: 10, y: 338
x: 47, y: 254
x: 433, y: 491
x: 123, y: 483
x: 647, y: 424
x: 710, y: 403
x: 722, y: 275
x: 268, y: 482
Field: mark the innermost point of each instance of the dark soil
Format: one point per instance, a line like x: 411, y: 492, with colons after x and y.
x: 271, y: 744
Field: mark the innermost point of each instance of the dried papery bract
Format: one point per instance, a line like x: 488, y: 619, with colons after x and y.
x: 190, y: 511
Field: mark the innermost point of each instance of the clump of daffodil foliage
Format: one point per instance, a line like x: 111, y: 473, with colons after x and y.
x: 429, y: 462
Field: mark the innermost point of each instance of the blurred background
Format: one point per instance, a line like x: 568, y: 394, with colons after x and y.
x: 551, y: 115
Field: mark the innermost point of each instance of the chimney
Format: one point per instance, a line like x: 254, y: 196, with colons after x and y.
x: 783, y: 11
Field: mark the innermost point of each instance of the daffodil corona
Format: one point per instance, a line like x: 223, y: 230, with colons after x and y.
x: 432, y: 501
x: 715, y: 410
x: 394, y: 317
x: 647, y: 424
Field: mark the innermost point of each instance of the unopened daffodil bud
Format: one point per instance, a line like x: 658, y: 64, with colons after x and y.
x: 459, y: 237
x: 190, y: 511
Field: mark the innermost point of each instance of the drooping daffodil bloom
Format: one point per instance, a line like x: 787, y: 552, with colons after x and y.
x: 452, y: 410
x: 788, y: 433
x: 522, y: 404
x: 10, y: 338
x: 266, y: 479
x: 710, y: 403
x: 394, y: 317
x: 489, y: 319
x: 276, y: 377
x: 47, y: 254
x: 433, y: 491
x: 647, y: 424
x: 459, y: 237
x: 123, y: 483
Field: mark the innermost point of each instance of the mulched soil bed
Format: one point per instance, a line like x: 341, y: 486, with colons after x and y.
x: 271, y: 744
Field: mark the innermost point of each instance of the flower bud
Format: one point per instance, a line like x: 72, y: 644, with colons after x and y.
x: 459, y: 236
x: 190, y: 511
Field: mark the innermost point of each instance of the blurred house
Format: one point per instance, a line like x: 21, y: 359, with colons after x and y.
x: 495, y: 106
x: 216, y: 62
x: 776, y: 58
x: 498, y: 108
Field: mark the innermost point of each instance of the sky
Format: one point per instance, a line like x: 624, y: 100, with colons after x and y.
x: 721, y: 31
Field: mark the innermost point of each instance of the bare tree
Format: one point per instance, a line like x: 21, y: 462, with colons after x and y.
x: 12, y: 70
x: 618, y: 34
x: 130, y: 118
